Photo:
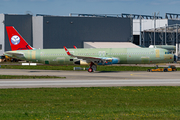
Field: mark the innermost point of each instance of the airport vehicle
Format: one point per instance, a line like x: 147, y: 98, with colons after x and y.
x: 166, y: 69
x: 81, y: 56
x: 7, y: 58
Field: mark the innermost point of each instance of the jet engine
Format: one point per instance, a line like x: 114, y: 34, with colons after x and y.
x: 81, y: 62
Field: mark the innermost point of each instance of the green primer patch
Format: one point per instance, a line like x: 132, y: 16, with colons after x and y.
x: 105, y: 103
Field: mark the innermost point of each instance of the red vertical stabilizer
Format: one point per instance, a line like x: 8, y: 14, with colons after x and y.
x: 17, y: 42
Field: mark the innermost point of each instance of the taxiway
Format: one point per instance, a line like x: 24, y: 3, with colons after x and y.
x: 85, y: 79
x: 78, y: 75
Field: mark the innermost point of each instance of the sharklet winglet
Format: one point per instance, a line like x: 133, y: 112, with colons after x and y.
x: 67, y: 51
x: 75, y: 47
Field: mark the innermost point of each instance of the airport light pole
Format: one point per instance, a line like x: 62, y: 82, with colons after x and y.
x: 177, y: 42
x: 165, y: 33
x: 140, y: 30
x: 154, y: 27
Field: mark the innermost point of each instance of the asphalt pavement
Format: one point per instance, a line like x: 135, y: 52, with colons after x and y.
x: 85, y: 79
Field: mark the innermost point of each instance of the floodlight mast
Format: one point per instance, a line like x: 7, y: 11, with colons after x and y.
x: 177, y: 42
x: 140, y: 29
x: 165, y: 34
x: 154, y: 28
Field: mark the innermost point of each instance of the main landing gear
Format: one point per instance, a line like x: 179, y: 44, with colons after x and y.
x: 92, y: 67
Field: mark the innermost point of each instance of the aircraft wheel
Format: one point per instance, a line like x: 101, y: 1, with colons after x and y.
x: 94, y: 67
x: 90, y: 70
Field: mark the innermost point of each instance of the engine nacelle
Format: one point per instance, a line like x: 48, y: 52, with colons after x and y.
x: 81, y: 62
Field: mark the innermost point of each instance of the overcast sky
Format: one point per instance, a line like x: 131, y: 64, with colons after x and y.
x: 64, y: 7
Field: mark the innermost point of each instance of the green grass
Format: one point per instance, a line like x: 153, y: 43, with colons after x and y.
x: 26, y: 77
x: 90, y: 103
x: 70, y: 67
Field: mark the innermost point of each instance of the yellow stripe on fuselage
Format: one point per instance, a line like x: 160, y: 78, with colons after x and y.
x: 157, y: 54
x: 33, y: 54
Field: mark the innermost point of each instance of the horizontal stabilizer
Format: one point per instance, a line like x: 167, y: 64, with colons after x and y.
x: 14, y: 54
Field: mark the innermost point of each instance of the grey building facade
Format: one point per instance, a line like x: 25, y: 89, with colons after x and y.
x: 46, y: 32
x: 167, y: 35
x: 58, y: 31
x: 22, y: 23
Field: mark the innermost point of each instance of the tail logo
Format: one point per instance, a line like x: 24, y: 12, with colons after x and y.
x: 15, y: 39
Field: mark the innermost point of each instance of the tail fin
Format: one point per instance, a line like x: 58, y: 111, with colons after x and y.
x: 17, y: 42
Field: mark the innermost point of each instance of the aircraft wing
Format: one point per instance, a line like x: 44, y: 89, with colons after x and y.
x: 88, y: 59
x: 14, y: 54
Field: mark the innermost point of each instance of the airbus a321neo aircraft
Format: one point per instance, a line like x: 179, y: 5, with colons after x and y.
x: 81, y: 56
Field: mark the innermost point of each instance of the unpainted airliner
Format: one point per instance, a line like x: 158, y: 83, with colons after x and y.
x: 84, y: 56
